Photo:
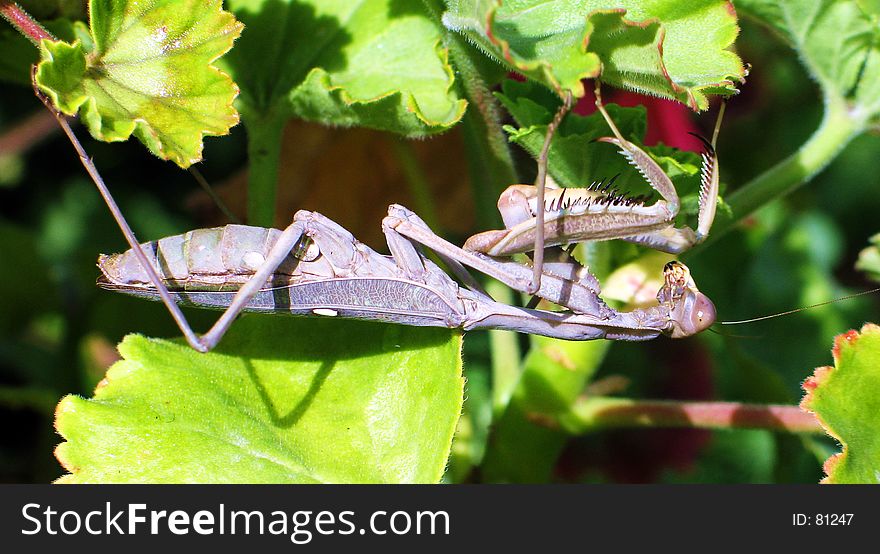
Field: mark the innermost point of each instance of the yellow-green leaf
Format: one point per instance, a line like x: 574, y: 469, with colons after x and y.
x: 846, y: 399
x: 282, y: 400
x: 146, y: 68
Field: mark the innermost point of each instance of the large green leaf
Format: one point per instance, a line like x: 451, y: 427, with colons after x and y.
x: 145, y: 68
x: 846, y: 399
x: 374, y: 63
x: 282, y: 400
x: 666, y: 48
x: 838, y: 42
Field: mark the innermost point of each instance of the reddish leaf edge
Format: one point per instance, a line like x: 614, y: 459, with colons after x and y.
x: 842, y: 342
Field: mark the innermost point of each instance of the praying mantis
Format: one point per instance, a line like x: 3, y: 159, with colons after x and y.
x: 316, y: 267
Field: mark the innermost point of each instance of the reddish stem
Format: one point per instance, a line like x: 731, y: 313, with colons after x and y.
x: 21, y: 20
x: 27, y: 132
x: 598, y: 412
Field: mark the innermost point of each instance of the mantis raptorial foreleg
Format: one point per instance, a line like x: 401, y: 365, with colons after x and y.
x: 600, y: 212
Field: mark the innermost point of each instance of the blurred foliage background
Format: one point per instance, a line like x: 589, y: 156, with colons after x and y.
x: 58, y: 331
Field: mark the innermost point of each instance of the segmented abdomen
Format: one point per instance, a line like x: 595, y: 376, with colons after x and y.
x: 204, y: 259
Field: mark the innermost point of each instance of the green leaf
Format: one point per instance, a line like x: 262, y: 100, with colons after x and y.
x: 145, y: 68
x: 846, y: 400
x: 869, y: 259
x: 373, y: 63
x: 662, y: 48
x: 19, y: 53
x: 838, y: 42
x: 282, y: 400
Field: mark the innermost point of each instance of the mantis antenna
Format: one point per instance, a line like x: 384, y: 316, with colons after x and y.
x: 788, y: 312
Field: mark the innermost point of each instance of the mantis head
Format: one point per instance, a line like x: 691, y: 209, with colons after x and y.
x: 691, y: 311
x: 692, y: 314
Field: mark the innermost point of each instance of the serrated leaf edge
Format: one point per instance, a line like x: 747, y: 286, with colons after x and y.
x: 545, y: 68
x: 820, y: 375
x: 132, y: 345
x: 91, y: 114
x: 322, y: 77
x: 693, y: 96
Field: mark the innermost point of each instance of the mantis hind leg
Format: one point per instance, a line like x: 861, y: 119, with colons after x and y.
x: 288, y: 239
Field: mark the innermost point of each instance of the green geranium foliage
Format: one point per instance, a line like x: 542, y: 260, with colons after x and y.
x: 665, y: 48
x: 282, y: 400
x: 146, y: 68
x: 838, y: 42
x: 372, y: 63
x: 846, y: 399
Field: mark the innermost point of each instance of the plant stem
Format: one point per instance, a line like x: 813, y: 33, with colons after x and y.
x: 594, y: 413
x: 416, y: 180
x: 23, y: 22
x: 491, y: 170
x: 33, y: 398
x: 264, y: 153
x: 486, y: 146
x: 27, y: 132
x: 506, y: 355
x: 838, y: 127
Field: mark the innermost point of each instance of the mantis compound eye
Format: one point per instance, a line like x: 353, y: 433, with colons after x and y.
x: 693, y: 314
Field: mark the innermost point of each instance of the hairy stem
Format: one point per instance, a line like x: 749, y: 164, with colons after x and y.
x: 264, y: 153
x: 23, y: 22
x: 486, y: 146
x: 594, y: 413
x: 839, y: 126
x: 416, y: 180
x: 506, y: 355
x: 27, y: 132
